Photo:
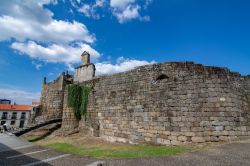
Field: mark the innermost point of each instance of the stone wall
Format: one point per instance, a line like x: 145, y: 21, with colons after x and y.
x: 69, y: 123
x: 52, y: 99
x: 167, y: 103
x: 84, y: 73
x: 247, y: 85
x: 171, y: 103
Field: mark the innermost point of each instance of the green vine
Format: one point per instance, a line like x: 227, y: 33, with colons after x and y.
x: 78, y: 99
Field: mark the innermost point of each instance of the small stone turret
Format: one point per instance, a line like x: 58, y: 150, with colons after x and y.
x: 86, y: 71
x: 85, y: 58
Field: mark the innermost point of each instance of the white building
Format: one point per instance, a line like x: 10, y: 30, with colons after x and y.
x: 14, y: 115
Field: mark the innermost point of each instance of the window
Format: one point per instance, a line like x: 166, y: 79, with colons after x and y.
x: 23, y: 115
x: 12, y: 122
x: 21, y: 124
x: 14, y: 115
x: 2, y: 122
x: 4, y: 115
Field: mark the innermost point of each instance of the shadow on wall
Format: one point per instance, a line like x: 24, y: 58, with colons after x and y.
x: 6, y: 152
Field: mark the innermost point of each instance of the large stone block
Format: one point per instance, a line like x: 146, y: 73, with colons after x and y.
x: 198, y: 139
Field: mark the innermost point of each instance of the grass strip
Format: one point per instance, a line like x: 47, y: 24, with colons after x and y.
x: 131, y: 151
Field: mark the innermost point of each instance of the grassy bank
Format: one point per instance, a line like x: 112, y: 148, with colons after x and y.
x: 124, y: 152
x: 97, y: 148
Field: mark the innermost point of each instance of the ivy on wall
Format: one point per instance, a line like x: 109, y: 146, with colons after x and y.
x: 78, y: 99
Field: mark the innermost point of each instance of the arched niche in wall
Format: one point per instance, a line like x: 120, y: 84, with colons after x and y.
x: 161, y: 77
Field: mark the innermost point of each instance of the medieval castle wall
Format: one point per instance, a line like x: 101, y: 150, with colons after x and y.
x: 166, y: 103
x: 52, y: 99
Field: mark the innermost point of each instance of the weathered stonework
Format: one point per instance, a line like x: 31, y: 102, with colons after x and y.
x: 166, y: 103
x: 69, y: 123
x: 52, y: 98
x: 171, y: 103
x: 86, y: 71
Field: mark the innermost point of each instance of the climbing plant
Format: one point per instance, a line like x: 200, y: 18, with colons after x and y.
x: 78, y: 99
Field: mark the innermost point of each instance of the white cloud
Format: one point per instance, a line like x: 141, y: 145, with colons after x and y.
x: 19, y: 96
x: 100, y: 3
x: 125, y: 10
x: 30, y: 21
x: 90, y: 10
x: 120, y: 3
x: 86, y: 10
x: 27, y: 10
x: 129, y: 13
x: 121, y: 66
x: 37, y: 65
x: 54, y: 31
x: 55, y: 52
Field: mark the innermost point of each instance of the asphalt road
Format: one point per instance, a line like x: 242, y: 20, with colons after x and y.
x: 17, y: 152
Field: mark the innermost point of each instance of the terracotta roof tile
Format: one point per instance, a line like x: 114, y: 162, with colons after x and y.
x: 15, y: 107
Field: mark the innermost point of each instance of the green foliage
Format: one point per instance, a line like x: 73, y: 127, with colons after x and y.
x: 78, y: 99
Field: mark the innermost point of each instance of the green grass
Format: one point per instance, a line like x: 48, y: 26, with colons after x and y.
x: 131, y: 151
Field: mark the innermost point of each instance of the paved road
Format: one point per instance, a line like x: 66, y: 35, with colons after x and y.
x: 17, y: 152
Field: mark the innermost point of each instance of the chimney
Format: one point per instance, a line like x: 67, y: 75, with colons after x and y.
x: 85, y: 58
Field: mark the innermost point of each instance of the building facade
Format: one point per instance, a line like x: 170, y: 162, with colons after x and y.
x: 5, y: 101
x: 14, y: 115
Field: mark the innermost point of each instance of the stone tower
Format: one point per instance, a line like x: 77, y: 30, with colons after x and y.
x: 85, y: 58
x: 86, y: 71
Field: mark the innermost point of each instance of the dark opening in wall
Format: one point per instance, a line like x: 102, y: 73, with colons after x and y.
x: 161, y: 77
x: 113, y: 94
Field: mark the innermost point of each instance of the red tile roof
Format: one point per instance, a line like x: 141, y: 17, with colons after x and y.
x: 15, y: 107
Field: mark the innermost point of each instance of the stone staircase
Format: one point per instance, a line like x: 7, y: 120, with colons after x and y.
x: 36, y: 126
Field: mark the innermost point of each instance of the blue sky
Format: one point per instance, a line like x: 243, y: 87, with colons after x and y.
x: 45, y: 37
